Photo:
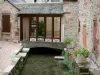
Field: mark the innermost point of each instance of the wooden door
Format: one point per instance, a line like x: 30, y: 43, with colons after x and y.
x: 94, y: 37
x: 6, y: 23
x: 84, y: 37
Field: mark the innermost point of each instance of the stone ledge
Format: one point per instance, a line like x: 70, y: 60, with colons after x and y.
x: 59, y: 57
x: 25, y: 50
x: 23, y: 55
x: 15, y: 60
x: 8, y: 69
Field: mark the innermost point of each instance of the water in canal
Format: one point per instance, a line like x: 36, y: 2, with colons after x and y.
x: 41, y: 62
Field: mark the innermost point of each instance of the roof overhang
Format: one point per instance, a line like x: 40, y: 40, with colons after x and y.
x: 40, y: 8
x: 40, y: 15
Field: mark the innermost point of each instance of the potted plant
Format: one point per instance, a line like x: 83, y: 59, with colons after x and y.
x: 68, y: 41
x: 81, y: 55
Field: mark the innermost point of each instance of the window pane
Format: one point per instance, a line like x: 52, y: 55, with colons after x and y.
x: 33, y: 26
x: 56, y: 27
x: 49, y: 27
x: 41, y: 27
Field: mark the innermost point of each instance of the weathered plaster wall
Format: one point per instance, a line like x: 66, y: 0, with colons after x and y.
x: 4, y: 8
x: 70, y: 20
x: 97, y: 6
x: 86, y: 17
x: 89, y: 10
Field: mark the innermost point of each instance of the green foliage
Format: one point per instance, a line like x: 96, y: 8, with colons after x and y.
x: 32, y: 33
x: 65, y: 62
x: 69, y: 72
x: 63, y: 53
x: 16, y: 72
x: 82, y: 51
x: 41, y: 28
x: 67, y: 40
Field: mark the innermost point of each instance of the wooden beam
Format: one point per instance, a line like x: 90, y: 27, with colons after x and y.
x: 30, y: 19
x: 40, y: 15
x: 60, y: 29
x: 44, y: 28
x: 37, y: 22
x: 52, y: 28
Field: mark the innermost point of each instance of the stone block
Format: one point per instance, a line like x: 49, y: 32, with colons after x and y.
x: 25, y: 50
x: 14, y: 53
x: 14, y: 60
x: 8, y: 69
x: 59, y: 57
x: 22, y: 54
x: 1, y: 72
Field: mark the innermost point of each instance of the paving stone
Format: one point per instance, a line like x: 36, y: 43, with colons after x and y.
x: 5, y: 52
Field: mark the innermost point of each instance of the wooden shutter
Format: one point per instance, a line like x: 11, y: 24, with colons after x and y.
x: 6, y: 23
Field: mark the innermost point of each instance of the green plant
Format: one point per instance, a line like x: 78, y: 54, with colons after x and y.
x: 65, y: 62
x: 41, y: 28
x: 67, y: 40
x: 82, y: 51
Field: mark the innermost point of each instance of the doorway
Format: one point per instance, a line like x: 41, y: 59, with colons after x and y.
x: 94, y: 38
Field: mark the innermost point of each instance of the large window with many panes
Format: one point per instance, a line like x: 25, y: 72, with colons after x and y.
x: 46, y: 28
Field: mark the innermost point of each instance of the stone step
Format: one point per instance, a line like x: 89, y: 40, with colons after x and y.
x: 1, y: 73
x: 22, y: 54
x: 25, y: 50
x: 15, y: 60
x: 8, y: 69
x: 59, y: 57
x: 84, y: 74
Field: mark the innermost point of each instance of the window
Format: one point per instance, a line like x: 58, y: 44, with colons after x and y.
x: 40, y: 32
x: 33, y: 26
x: 56, y: 27
x: 46, y: 28
x: 6, y: 23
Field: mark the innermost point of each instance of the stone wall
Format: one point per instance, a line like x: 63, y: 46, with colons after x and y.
x: 86, y: 18
x: 89, y: 10
x: 6, y: 7
x: 98, y: 30
x: 70, y: 20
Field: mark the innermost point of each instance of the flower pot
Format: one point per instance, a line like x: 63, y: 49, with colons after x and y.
x: 80, y: 59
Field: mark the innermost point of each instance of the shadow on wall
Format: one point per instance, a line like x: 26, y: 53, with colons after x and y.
x: 44, y: 50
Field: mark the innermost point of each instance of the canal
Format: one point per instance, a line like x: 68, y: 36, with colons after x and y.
x: 41, y: 62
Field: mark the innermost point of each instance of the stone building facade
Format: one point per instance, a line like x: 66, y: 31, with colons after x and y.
x: 69, y: 24
x: 89, y: 11
x: 7, y: 8
x: 70, y: 20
